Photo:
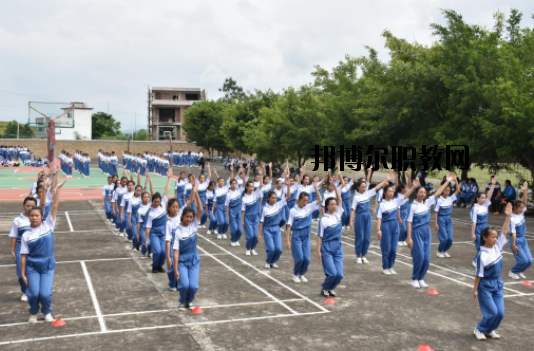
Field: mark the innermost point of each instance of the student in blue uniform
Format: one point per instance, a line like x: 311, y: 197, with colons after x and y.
x: 118, y: 195
x: 479, y: 214
x: 112, y: 201
x: 219, y: 210
x: 106, y: 193
x: 270, y: 226
x: 267, y: 183
x: 443, y: 220
x: 133, y: 207
x: 404, y: 207
x: 419, y: 234
x: 37, y: 258
x: 20, y: 225
x: 360, y: 218
x: 250, y: 214
x: 345, y: 196
x: 156, y: 225
x: 186, y: 254
x: 126, y: 198
x: 210, y: 207
x: 142, y: 217
x: 518, y: 242
x: 298, y: 233
x: 329, y: 247
x: 388, y: 226
x: 488, y: 288
x: 202, y: 189
x: 233, y: 206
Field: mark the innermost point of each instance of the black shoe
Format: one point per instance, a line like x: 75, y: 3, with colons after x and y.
x: 332, y: 293
x: 155, y: 270
x: 161, y: 270
x: 186, y: 305
x: 324, y: 293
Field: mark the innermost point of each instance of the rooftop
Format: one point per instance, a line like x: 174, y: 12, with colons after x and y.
x: 176, y: 89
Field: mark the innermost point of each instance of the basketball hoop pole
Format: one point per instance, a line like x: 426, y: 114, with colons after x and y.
x: 51, y: 138
x: 171, y: 158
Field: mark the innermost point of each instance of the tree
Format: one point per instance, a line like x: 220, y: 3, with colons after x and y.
x: 203, y: 123
x: 105, y: 124
x: 232, y: 91
x: 25, y: 131
x: 140, y: 135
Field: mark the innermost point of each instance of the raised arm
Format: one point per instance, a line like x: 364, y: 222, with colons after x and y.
x: 318, y: 194
x: 271, y: 170
x: 524, y: 199
x: 412, y: 188
x: 209, y: 172
x: 288, y: 194
x: 506, y: 225
x: 384, y: 182
x: 490, y: 191
x: 198, y: 203
x: 168, y: 184
x: 150, y: 182
x: 448, y: 180
x: 457, y: 191
x: 55, y: 203
x: 139, y: 176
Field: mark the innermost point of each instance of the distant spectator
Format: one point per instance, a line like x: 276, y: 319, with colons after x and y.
x: 496, y: 191
x: 504, y: 196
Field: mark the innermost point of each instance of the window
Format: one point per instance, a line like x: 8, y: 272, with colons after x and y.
x: 192, y: 96
x: 164, y: 131
x: 70, y: 114
x: 166, y: 115
x: 175, y: 97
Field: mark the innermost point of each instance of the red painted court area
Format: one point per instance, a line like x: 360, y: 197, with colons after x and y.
x: 24, y: 169
x: 67, y: 194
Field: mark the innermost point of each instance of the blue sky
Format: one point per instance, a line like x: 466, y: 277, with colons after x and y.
x: 108, y: 52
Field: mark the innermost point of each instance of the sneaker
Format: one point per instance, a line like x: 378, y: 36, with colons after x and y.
x: 469, y: 206
x: 446, y: 254
x: 190, y: 306
x: 296, y: 279
x: 415, y: 284
x: 392, y: 272
x: 237, y: 243
x: 386, y: 272
x: 208, y: 232
x: 24, y: 298
x: 267, y: 266
x: 150, y: 255
x: 324, y: 293
x: 254, y: 253
x: 161, y: 270
x: 224, y: 236
x: 33, y: 319
x: 155, y: 270
x: 121, y: 234
x: 521, y: 275
x: 513, y: 275
x: 215, y: 232
x: 274, y: 265
x: 303, y: 279
x: 181, y: 306
x: 440, y: 255
x: 219, y: 236
x: 422, y: 284
x: 247, y: 253
x: 365, y: 260
x: 49, y: 318
x: 359, y: 260
x: 332, y: 293
x: 173, y: 289
x: 479, y: 335
x: 493, y: 335
x: 232, y: 244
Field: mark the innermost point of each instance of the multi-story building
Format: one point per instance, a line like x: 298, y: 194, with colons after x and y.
x: 166, y: 110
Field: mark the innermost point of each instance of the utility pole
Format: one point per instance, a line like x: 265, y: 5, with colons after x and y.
x: 18, y: 129
x: 148, y: 116
x: 135, y: 125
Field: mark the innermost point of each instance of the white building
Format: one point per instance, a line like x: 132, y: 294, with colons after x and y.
x: 74, y: 123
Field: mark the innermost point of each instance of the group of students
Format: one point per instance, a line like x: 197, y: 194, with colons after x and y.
x: 15, y: 156
x: 66, y: 163
x: 82, y: 163
x: 165, y: 229
x: 185, y: 158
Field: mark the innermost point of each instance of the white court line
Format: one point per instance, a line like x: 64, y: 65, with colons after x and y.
x: 68, y: 220
x: 516, y: 295
x: 193, y: 324
x: 93, y: 296
x: 267, y: 275
x: 249, y: 281
x: 514, y: 283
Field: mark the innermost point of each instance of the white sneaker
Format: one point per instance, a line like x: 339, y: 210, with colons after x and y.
x: 440, y: 255
x: 208, y: 232
x: 224, y: 236
x: 415, y: 284
x: 237, y: 243
x: 274, y: 265
x: 247, y: 253
x: 296, y: 279
x: 513, y: 275
x: 522, y: 276
x: 359, y: 260
x: 33, y: 319
x: 392, y: 271
x: 215, y: 232
x: 219, y: 236
x: 254, y: 253
x: 49, y: 318
x: 479, y: 335
x: 386, y: 272
x: 493, y: 335
x: 303, y: 279
x: 422, y: 284
x: 232, y: 243
x: 365, y: 260
x: 24, y: 298
x: 267, y: 266
x: 173, y: 289
x: 446, y: 254
x: 121, y: 234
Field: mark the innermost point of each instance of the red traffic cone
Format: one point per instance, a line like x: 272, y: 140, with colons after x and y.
x: 330, y: 301
x: 425, y: 347
x: 433, y: 292
x: 197, y: 310
x: 59, y: 323
x: 527, y: 283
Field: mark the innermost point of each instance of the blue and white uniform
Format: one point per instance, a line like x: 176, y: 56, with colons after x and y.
x: 20, y: 225
x: 210, y: 198
x: 345, y: 198
x: 157, y: 222
x: 419, y: 216
x: 523, y: 259
x: 170, y: 229
x: 362, y: 220
x: 180, y: 189
x: 133, y: 207
x: 250, y: 204
x: 388, y: 212
x: 266, y: 188
x: 125, y: 222
x: 445, y: 234
x: 48, y: 204
x: 234, y: 204
x: 281, y: 194
x: 300, y: 221
x: 106, y: 192
x: 490, y: 289
x: 188, y: 189
x: 38, y: 244
x: 404, y: 206
x: 185, y: 241
x: 220, y: 208
x: 271, y: 217
x: 330, y: 230
x: 120, y: 191
x: 479, y: 215
x: 202, y: 189
x: 142, y: 218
